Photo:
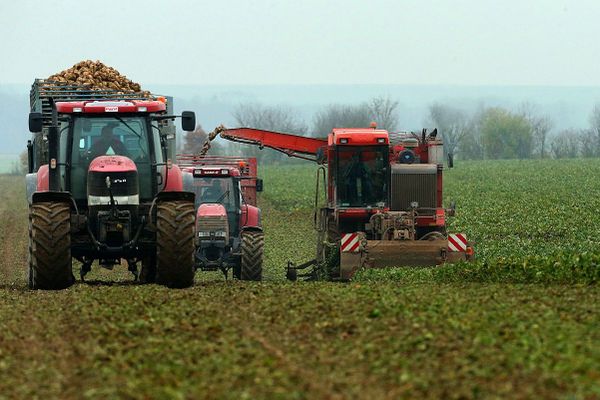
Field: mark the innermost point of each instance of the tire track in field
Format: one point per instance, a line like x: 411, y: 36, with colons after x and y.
x: 245, y: 318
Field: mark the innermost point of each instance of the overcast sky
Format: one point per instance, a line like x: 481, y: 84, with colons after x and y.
x: 550, y: 42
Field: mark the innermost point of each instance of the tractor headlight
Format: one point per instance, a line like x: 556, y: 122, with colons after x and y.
x: 221, y: 233
x: 203, y: 234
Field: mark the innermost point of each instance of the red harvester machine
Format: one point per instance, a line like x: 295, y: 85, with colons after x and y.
x: 229, y: 234
x: 384, y: 200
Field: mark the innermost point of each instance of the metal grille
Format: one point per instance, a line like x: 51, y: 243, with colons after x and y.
x: 208, y: 224
x: 415, y: 182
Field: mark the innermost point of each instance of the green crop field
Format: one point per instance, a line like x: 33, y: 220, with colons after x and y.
x: 523, y: 321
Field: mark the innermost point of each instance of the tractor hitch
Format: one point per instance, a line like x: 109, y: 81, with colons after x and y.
x: 292, y: 271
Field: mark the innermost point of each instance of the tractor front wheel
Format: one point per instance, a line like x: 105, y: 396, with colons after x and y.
x: 251, y: 264
x: 175, y: 243
x: 50, y: 246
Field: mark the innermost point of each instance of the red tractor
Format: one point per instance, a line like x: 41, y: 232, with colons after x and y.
x: 384, y: 200
x: 101, y: 187
x: 229, y: 234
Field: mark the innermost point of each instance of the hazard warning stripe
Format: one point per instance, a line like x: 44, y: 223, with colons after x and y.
x: 457, y: 242
x: 350, y: 242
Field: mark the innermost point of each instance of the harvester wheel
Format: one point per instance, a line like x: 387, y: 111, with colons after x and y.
x: 50, y: 246
x: 331, y: 249
x: 175, y: 243
x: 253, y: 243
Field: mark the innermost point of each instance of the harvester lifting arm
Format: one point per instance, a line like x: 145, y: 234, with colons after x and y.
x: 293, y: 145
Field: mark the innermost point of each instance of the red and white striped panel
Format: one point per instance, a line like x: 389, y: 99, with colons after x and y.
x: 350, y: 242
x: 457, y: 242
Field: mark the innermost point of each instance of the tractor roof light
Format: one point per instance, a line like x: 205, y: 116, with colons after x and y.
x: 142, y: 109
x: 224, y: 172
x: 344, y: 141
x: 380, y: 140
x: 77, y: 109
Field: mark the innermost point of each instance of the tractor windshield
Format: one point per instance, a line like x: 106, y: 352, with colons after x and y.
x: 216, y: 190
x: 117, y: 135
x: 361, y: 175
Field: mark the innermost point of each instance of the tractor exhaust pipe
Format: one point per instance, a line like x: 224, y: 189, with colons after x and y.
x: 53, y: 150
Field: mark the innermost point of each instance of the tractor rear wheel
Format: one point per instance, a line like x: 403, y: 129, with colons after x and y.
x: 175, y: 243
x: 253, y: 243
x: 50, y: 246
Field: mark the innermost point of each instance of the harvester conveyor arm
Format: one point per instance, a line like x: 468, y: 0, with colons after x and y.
x: 293, y: 145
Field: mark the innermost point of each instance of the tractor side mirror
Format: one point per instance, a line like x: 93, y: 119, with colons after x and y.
x: 450, y: 160
x: 35, y: 122
x: 259, y: 185
x: 188, y: 121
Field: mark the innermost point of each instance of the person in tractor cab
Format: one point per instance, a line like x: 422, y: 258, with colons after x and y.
x: 357, y: 180
x: 108, y: 143
x: 213, y: 193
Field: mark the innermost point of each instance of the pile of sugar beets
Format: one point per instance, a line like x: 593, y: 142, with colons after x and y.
x: 94, y: 75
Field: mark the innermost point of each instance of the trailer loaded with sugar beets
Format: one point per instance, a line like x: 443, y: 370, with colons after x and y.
x: 101, y: 185
x: 384, y: 205
x: 229, y: 233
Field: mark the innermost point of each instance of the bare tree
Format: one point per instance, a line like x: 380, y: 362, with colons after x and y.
x: 193, y: 141
x: 452, y: 124
x: 272, y: 118
x: 565, y: 144
x: 540, y: 126
x: 342, y: 116
x: 595, y: 127
x: 587, y: 143
x: 384, y: 112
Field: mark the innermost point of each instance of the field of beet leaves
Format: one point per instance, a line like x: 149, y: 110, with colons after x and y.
x: 521, y: 322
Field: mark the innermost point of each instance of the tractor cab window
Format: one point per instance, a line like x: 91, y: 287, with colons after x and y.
x: 216, y: 190
x: 361, y: 175
x: 118, y: 135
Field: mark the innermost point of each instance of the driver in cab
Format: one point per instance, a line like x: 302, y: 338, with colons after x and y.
x: 108, y: 144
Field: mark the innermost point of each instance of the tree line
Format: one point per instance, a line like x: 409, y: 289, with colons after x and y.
x: 488, y: 133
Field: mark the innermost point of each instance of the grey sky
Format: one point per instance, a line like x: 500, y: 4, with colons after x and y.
x: 300, y: 42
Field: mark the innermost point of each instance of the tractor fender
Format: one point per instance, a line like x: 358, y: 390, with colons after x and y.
x: 30, y: 185
x: 175, y: 195
x: 174, y: 179
x: 250, y: 217
x: 64, y: 197
x: 43, y: 178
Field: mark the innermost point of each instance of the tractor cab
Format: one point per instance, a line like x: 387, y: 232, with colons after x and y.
x: 218, y: 185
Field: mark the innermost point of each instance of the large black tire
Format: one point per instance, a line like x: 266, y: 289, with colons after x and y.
x: 175, y: 243
x: 50, y: 264
x: 253, y: 243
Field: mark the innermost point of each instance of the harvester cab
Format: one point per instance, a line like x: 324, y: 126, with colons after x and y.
x: 383, y: 204
x: 229, y: 233
x: 101, y: 187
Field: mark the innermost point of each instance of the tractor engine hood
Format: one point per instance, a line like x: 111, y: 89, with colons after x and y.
x: 112, y: 174
x: 211, y: 222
